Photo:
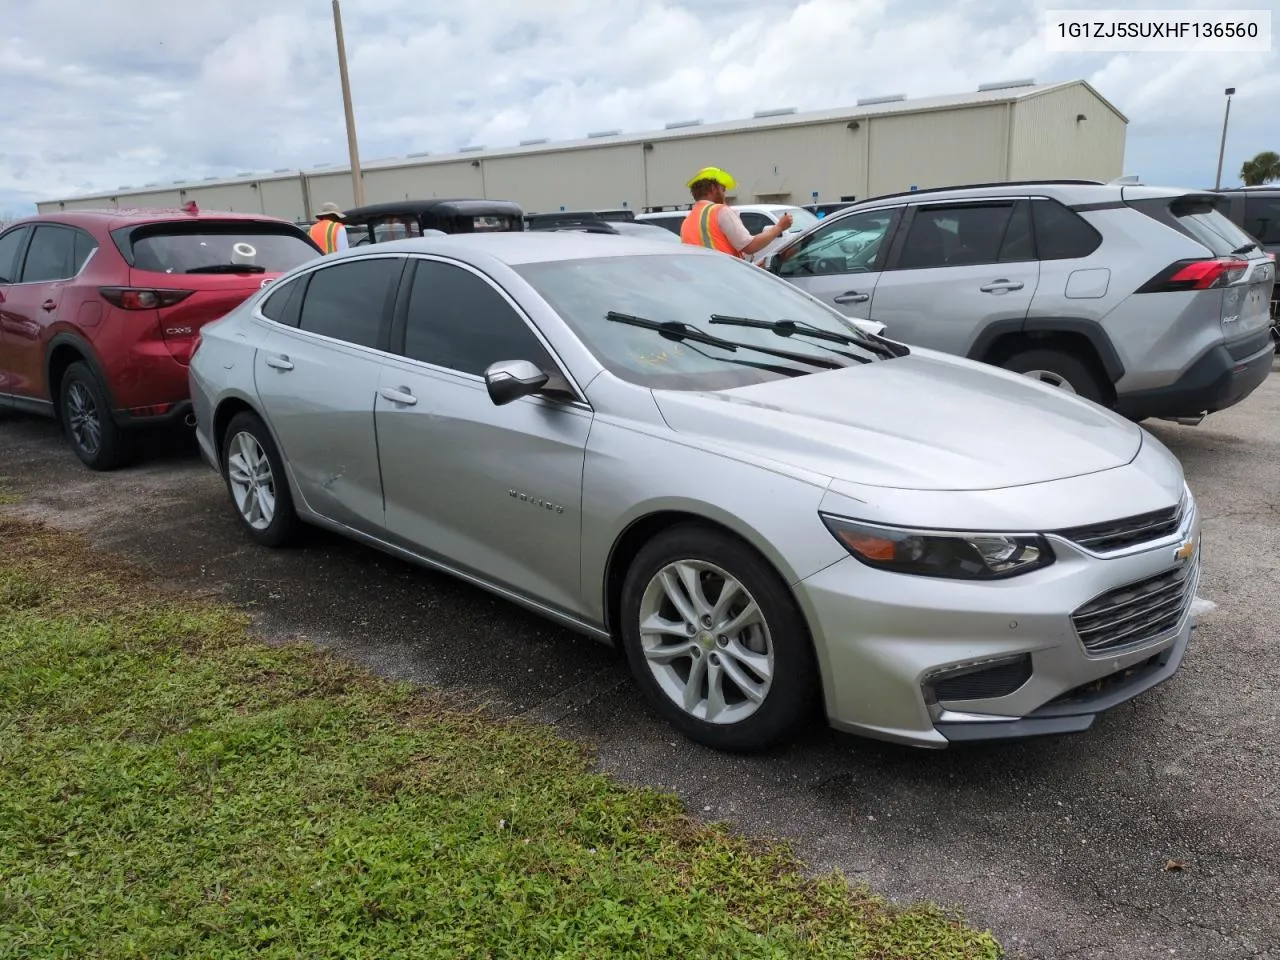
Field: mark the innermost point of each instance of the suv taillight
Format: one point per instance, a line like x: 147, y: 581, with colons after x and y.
x: 141, y: 298
x: 1196, y: 275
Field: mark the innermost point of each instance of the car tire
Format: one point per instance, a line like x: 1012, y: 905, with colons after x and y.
x: 86, y: 420
x: 1059, y: 369
x: 772, y: 657
x: 257, y: 483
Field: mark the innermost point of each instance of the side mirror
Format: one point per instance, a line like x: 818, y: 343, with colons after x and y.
x: 509, y: 380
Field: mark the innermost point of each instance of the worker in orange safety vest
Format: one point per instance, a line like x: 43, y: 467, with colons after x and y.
x: 713, y: 223
x: 327, y: 232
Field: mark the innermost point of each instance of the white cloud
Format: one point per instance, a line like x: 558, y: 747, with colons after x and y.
x: 135, y: 91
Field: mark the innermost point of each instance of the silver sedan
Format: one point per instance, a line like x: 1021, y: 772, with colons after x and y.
x: 776, y: 512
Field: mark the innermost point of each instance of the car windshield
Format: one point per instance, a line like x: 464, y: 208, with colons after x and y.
x: 689, y: 289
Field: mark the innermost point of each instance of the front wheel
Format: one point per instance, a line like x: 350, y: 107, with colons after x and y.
x: 716, y: 641
x: 256, y: 481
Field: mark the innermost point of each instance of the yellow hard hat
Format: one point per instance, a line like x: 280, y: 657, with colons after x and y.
x: 721, y: 177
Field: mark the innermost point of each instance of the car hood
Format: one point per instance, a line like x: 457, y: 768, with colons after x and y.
x: 919, y: 422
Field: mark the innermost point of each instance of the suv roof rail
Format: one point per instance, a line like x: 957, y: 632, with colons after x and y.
x: 987, y: 186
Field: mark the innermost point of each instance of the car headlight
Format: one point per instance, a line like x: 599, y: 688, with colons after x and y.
x: 955, y: 556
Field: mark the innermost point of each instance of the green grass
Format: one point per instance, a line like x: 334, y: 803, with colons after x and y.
x: 171, y: 787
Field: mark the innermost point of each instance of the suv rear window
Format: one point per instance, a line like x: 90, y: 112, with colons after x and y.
x: 210, y: 247
x: 1262, y: 218
x: 1200, y: 219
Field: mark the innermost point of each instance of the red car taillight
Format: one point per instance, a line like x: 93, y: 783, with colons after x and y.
x: 142, y: 298
x: 1196, y: 275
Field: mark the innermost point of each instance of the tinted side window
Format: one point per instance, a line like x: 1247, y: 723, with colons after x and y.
x: 848, y: 245
x: 51, y: 256
x: 955, y: 236
x: 1017, y: 244
x: 10, y: 247
x: 1062, y: 234
x: 1261, y: 219
x: 283, y: 304
x: 350, y: 301
x: 459, y: 321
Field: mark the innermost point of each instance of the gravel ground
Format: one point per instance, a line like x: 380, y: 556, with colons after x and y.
x: 1060, y: 846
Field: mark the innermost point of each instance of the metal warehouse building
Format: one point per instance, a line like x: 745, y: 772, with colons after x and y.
x: 1003, y: 131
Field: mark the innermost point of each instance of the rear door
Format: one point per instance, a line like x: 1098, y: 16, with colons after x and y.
x: 493, y: 490
x: 840, y: 262
x: 955, y: 268
x: 13, y: 246
x: 54, y: 256
x: 317, y: 376
x: 210, y: 266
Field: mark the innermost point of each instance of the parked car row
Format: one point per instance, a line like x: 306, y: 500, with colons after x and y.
x: 782, y: 491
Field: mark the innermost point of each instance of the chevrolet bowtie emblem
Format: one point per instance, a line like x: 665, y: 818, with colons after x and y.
x: 1185, y: 552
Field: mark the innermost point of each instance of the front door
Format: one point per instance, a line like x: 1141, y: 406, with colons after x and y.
x: 956, y: 269
x: 318, y: 382
x: 493, y: 490
x: 840, y: 262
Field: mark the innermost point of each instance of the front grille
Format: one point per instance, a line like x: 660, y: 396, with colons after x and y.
x: 1129, y: 532
x: 1136, y: 614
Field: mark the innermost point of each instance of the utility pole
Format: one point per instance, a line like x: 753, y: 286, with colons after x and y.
x: 1221, y: 149
x: 357, y: 179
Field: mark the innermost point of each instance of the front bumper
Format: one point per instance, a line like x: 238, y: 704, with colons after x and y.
x: 888, y: 644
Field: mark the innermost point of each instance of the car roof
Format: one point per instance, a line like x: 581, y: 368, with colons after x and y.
x: 538, y: 246
x: 113, y: 218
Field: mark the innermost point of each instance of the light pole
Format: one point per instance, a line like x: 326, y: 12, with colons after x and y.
x: 1221, y: 149
x: 357, y: 180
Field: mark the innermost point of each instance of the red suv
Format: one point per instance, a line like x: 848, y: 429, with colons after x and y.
x: 100, y: 312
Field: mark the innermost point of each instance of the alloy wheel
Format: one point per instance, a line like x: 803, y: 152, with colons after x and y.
x: 83, y: 418
x: 706, y: 641
x: 251, y: 480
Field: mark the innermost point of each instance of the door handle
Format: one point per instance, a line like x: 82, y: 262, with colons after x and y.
x: 398, y: 396
x: 1000, y: 286
x: 852, y: 296
x: 280, y: 363
x: 49, y: 305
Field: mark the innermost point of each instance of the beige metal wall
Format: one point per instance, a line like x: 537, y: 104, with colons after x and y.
x: 937, y: 149
x: 281, y: 198
x: 419, y: 182
x: 826, y: 157
x: 603, y: 177
x: 1048, y: 141
x: 236, y: 197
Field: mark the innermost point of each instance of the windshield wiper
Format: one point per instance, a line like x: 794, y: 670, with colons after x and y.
x: 230, y: 268
x: 677, y: 331
x: 1244, y: 248
x: 790, y: 328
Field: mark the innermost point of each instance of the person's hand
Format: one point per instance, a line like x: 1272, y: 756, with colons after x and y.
x: 784, y: 223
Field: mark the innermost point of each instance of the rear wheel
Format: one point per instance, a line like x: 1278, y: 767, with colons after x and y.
x: 1066, y: 371
x: 716, y: 641
x: 86, y: 420
x: 256, y: 481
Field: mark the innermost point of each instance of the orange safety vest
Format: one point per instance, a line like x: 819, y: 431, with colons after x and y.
x: 325, y: 234
x: 702, y: 228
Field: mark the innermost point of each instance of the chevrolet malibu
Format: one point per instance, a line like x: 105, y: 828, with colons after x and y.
x: 773, y: 509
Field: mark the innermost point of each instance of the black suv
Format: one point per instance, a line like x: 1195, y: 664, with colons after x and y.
x: 1257, y: 211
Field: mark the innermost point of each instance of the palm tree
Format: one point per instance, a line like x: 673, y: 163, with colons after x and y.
x: 1263, y: 168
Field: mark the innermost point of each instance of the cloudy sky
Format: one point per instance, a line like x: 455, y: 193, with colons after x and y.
x: 95, y: 94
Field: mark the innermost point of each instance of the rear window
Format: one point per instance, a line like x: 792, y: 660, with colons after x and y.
x: 205, y: 247
x: 1200, y: 219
